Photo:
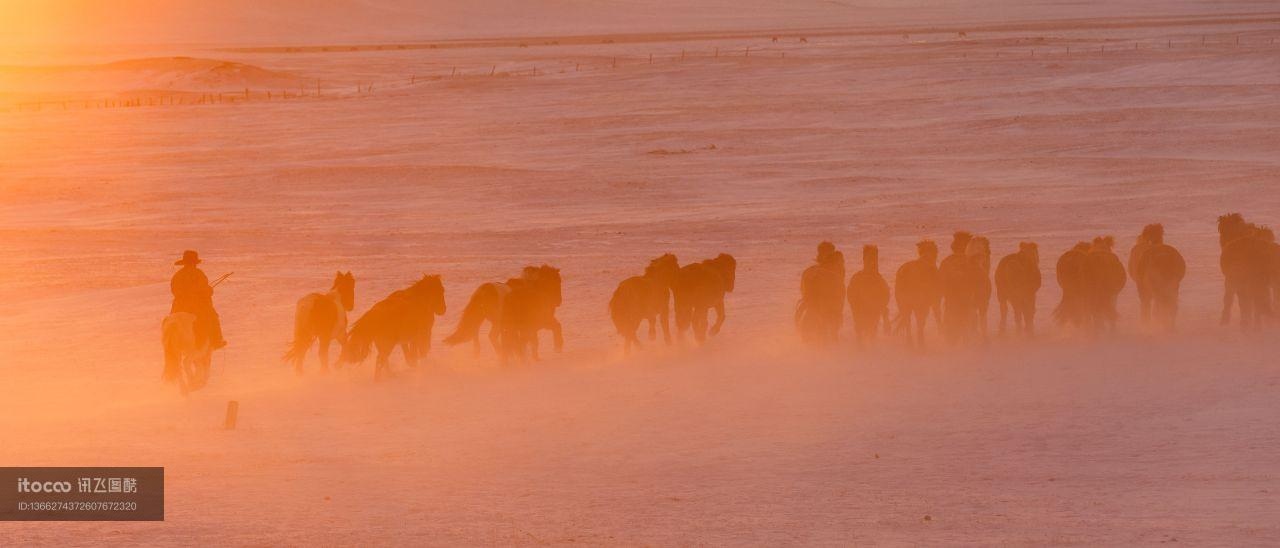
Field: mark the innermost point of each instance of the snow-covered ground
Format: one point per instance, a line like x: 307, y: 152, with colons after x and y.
x: 853, y: 137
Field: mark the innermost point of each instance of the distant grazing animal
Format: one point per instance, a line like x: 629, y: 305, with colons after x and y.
x: 185, y: 363
x: 1072, y: 274
x: 1106, y: 278
x: 1249, y: 267
x: 868, y: 296
x: 1157, y: 270
x: 646, y: 297
x: 323, y: 318
x: 1017, y: 281
x: 404, y: 319
x: 820, y: 311
x: 699, y: 288
x: 488, y: 304
x: 918, y: 290
x: 959, y: 290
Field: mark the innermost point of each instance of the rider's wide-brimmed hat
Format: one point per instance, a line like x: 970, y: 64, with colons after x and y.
x: 188, y: 257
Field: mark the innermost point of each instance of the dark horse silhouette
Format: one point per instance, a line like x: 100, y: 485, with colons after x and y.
x: 868, y: 296
x: 1157, y: 270
x: 404, y: 319
x: 820, y: 311
x: 918, y: 290
x: 646, y: 297
x: 516, y: 310
x: 1017, y: 281
x: 322, y: 317
x: 1249, y: 267
x: 1091, y: 277
x: 699, y: 288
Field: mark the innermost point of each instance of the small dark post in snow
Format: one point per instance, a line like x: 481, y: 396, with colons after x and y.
x: 454, y: 72
x: 233, y: 410
x: 682, y: 55
x: 650, y: 58
x: 748, y: 54
x: 615, y: 62
x: 493, y: 70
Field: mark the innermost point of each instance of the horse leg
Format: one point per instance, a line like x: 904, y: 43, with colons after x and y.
x: 1004, y: 315
x: 653, y: 327
x: 920, y: 318
x: 557, y: 334
x: 1228, y: 295
x: 699, y: 324
x: 495, y: 338
x: 410, y: 351
x: 665, y: 316
x: 532, y: 338
x: 715, y: 329
x: 324, y: 355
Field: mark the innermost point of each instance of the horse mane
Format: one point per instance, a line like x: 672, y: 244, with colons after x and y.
x: 979, y: 245
x: 1266, y: 234
x: 825, y: 248
x: 1082, y: 247
x: 1153, y: 234
x: 1030, y: 249
x: 1103, y: 243
x: 960, y: 241
x: 926, y: 249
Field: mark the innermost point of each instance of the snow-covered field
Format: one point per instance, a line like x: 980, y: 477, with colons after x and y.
x: 1044, y: 130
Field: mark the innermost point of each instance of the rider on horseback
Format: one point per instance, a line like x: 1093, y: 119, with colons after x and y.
x: 193, y: 294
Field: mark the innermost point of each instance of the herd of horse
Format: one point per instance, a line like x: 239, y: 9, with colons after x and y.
x: 956, y: 291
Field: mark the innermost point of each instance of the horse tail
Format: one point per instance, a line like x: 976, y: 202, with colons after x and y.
x: 359, y: 341
x: 297, y: 347
x: 478, y: 308
x: 619, y: 307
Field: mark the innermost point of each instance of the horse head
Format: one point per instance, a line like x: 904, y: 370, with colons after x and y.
x: 345, y: 284
x: 1230, y: 227
x: 1103, y: 244
x: 431, y: 288
x: 960, y: 241
x: 927, y: 251
x: 727, y: 266
x: 546, y: 280
x: 663, y: 269
x: 870, y: 258
x: 1152, y: 234
x: 1031, y: 251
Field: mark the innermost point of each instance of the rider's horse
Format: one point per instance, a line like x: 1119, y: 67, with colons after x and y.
x: 186, y: 360
x: 323, y: 318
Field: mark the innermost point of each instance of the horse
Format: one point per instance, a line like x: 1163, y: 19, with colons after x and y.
x: 700, y: 287
x: 820, y: 311
x: 1249, y: 266
x: 1017, y: 281
x: 918, y: 290
x: 322, y: 317
x: 530, y: 307
x: 404, y: 319
x: 1072, y: 274
x: 959, y: 290
x: 645, y: 297
x: 979, y: 254
x: 1231, y: 228
x: 1106, y: 278
x: 488, y: 303
x: 868, y: 295
x: 186, y: 361
x: 1157, y: 270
